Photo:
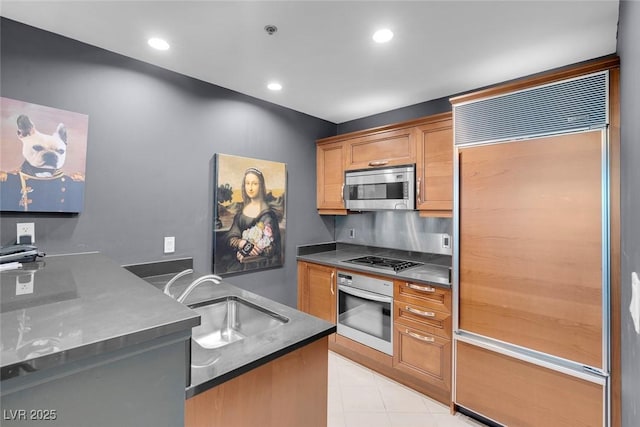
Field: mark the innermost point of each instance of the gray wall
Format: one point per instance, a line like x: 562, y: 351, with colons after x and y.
x: 629, y: 51
x: 428, y: 108
x: 152, y: 135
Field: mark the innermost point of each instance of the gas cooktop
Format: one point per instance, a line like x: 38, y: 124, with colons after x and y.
x: 384, y: 263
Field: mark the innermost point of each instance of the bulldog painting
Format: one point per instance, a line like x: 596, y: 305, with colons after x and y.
x: 48, y: 163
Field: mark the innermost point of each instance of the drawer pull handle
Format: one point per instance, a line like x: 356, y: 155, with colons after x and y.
x: 420, y: 312
x: 430, y: 289
x: 420, y: 337
x: 379, y: 163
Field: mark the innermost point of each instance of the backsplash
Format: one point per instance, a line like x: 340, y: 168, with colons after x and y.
x: 395, y: 230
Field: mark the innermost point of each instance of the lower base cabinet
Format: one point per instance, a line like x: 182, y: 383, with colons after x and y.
x: 290, y: 391
x: 516, y: 393
x: 424, y: 356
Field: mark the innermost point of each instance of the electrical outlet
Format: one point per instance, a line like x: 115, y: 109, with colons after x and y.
x: 169, y: 245
x: 352, y: 233
x: 634, y: 307
x: 446, y: 241
x: 24, y: 284
x: 26, y: 233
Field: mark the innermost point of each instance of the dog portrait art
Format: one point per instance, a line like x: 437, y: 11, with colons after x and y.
x: 42, y: 167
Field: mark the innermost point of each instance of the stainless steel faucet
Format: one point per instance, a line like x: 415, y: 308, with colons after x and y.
x: 207, y: 278
x: 174, y: 278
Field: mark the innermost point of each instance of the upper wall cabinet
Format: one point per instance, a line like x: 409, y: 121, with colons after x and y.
x: 426, y: 142
x: 330, y: 178
x: 382, y: 148
x: 434, y: 166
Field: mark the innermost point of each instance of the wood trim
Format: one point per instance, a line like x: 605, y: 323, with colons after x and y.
x: 363, y: 351
x: 570, y: 71
x: 288, y: 391
x: 435, y: 214
x: 400, y: 125
x: 332, y: 212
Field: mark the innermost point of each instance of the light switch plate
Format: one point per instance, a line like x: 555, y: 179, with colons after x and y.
x: 169, y: 245
x: 634, y: 307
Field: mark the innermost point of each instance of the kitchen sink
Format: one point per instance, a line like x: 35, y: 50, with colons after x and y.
x: 229, y: 319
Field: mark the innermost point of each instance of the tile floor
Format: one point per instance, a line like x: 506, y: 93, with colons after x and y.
x: 360, y: 397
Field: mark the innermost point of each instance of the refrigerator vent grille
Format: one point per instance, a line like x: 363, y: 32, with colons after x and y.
x: 579, y: 103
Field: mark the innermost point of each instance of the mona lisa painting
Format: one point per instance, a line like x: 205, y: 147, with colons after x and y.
x: 249, y: 214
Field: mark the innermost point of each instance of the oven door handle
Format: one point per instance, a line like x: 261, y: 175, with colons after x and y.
x: 364, y: 295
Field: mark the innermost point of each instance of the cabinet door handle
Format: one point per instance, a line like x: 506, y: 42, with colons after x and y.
x: 420, y: 312
x: 420, y: 337
x: 342, y: 194
x: 429, y: 289
x: 418, y: 191
x: 379, y: 163
x: 333, y: 276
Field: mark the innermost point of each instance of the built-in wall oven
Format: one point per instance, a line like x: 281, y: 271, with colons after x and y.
x: 365, y: 310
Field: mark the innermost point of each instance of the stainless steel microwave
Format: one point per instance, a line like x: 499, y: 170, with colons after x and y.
x: 391, y: 187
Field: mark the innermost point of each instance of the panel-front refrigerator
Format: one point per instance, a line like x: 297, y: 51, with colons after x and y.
x: 531, y: 265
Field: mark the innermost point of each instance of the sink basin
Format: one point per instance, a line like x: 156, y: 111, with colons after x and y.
x: 230, y: 319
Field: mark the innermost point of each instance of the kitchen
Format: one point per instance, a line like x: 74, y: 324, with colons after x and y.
x: 117, y: 92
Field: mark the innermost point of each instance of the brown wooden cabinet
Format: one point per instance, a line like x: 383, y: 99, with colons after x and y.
x: 525, y: 205
x: 381, y: 148
x: 434, y: 166
x: 288, y: 391
x: 330, y: 178
x: 422, y: 330
x: 317, y: 290
x: 422, y: 335
x: 517, y: 393
x: 426, y: 142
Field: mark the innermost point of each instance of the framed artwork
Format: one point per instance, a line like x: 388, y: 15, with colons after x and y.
x: 249, y: 214
x: 43, y: 154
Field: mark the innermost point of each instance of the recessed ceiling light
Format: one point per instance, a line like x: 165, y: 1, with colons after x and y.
x: 274, y: 86
x: 383, y: 36
x: 158, y: 43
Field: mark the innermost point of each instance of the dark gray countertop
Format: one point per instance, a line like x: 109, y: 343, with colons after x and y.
x: 436, y: 269
x: 67, y: 308
x: 241, y: 356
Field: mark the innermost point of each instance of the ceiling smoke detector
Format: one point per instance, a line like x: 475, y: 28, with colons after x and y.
x: 270, y: 29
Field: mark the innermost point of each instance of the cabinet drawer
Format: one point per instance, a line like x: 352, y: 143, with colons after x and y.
x: 423, y: 355
x: 417, y: 316
x: 517, y: 393
x: 425, y: 295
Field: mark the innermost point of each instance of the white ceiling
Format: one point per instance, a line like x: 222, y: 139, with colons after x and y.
x: 323, y: 53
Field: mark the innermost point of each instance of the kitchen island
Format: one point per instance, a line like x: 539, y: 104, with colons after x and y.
x: 277, y: 377
x: 84, y: 342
